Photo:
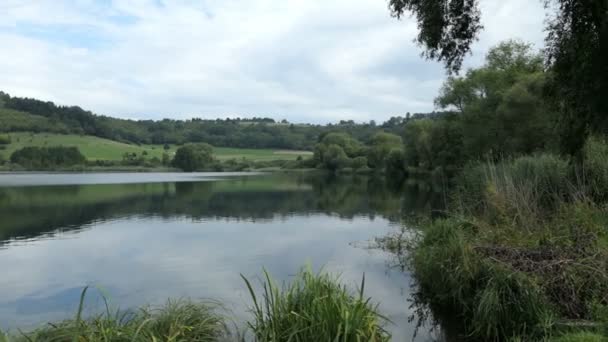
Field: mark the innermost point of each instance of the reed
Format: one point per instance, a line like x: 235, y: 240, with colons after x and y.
x: 313, y: 307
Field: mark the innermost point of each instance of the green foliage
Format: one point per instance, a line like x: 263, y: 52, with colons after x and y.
x: 40, y: 158
x: 500, y: 113
x: 182, y: 320
x: 595, y: 167
x: 349, y: 145
x: 522, y: 189
x: 381, y: 145
x: 335, y: 151
x: 495, y: 302
x: 23, y: 114
x: 5, y: 140
x: 359, y: 163
x: 334, y: 157
x: 447, y: 28
x: 580, y: 337
x: 577, y: 41
x: 431, y: 144
x: 166, y: 159
x: 314, y: 307
x: 528, y: 248
x: 193, y: 157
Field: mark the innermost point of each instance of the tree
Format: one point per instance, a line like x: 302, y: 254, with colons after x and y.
x: 334, y: 158
x: 503, y: 109
x: 447, y: 28
x: 576, y: 54
x: 382, y: 144
x: 193, y: 157
x: 359, y: 163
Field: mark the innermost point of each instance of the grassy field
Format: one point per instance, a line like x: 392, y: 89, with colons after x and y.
x: 95, y: 148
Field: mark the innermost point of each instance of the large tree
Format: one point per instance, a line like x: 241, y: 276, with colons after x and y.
x: 577, y: 51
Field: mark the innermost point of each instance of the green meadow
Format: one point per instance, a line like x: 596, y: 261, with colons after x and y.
x: 95, y: 148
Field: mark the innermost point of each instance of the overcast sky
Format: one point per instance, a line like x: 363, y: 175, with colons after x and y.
x: 302, y: 60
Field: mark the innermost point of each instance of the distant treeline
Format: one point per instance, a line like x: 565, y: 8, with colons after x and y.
x: 257, y: 132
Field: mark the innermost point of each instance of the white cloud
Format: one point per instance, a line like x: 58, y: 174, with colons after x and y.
x: 301, y: 60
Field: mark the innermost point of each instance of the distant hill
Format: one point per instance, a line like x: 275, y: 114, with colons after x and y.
x: 32, y: 115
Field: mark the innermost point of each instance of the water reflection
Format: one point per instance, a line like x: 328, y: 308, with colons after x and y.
x: 145, y: 242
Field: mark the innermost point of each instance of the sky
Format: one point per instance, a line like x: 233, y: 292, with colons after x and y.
x: 312, y: 61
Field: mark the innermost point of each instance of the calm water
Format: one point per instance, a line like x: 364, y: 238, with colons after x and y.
x: 143, y: 238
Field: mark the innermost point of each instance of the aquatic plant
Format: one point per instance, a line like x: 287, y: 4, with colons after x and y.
x: 314, y: 307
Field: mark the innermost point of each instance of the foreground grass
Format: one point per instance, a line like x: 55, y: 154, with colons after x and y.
x: 94, y: 148
x: 176, y: 321
x: 314, y: 307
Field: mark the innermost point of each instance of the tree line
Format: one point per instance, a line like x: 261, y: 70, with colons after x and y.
x: 493, y: 112
x: 256, y: 132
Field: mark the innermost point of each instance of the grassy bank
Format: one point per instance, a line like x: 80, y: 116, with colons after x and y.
x: 314, y: 307
x: 523, y: 251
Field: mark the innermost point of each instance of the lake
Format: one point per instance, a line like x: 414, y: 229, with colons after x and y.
x: 143, y: 238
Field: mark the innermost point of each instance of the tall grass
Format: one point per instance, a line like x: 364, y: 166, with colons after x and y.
x: 525, y: 247
x: 314, y: 307
x: 490, y: 299
x: 521, y: 190
x: 181, y: 320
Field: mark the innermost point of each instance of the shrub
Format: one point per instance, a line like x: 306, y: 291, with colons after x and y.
x: 47, y: 157
x: 314, y: 307
x: 193, y: 157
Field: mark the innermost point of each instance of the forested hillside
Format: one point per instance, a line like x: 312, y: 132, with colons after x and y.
x: 26, y: 114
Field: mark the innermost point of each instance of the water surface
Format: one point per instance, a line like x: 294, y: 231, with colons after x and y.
x: 143, y: 238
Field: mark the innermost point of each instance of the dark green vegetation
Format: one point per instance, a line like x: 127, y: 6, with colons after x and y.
x: 315, y: 307
x: 39, y: 158
x: 193, y: 157
x: 523, y: 251
x: 576, y: 54
x: 497, y: 111
x: 31, y: 115
x: 183, y: 320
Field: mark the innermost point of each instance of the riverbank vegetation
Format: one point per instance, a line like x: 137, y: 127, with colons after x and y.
x: 314, y: 307
x: 522, y: 252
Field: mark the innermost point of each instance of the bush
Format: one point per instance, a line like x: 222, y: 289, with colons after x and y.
x: 193, y: 157
x: 314, y: 307
x: 40, y: 158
